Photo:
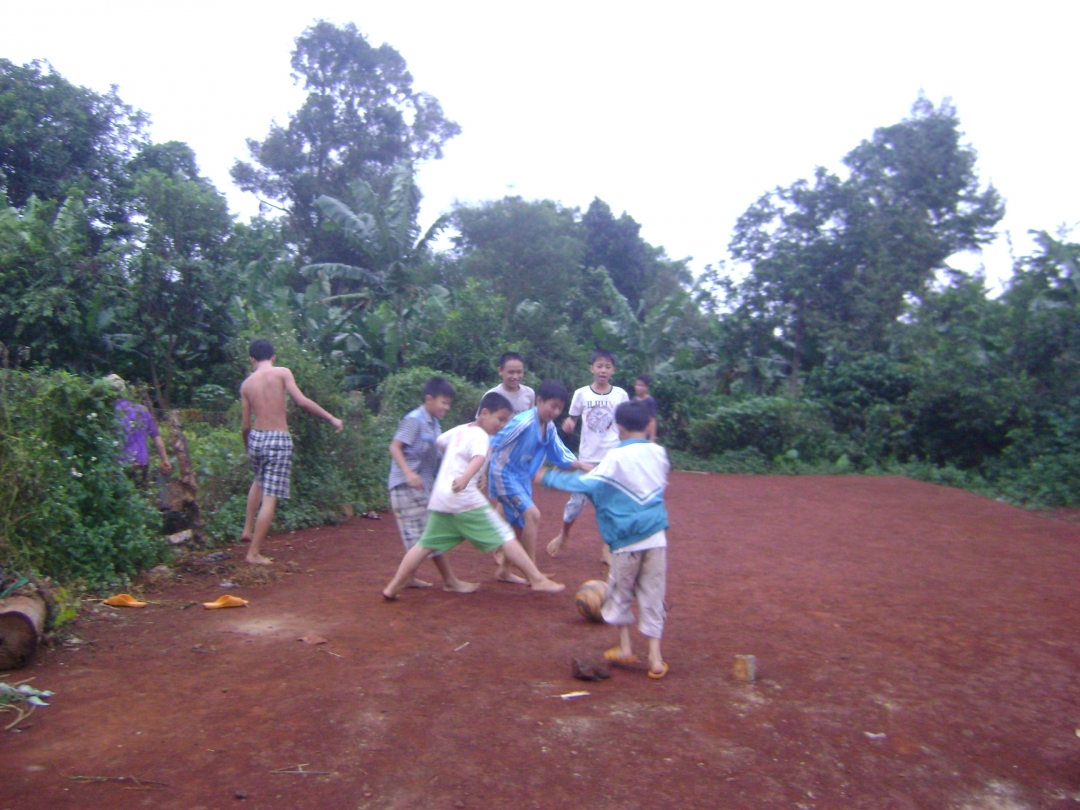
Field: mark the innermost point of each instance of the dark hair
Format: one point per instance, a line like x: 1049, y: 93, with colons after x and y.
x: 552, y: 389
x: 633, y: 416
x: 602, y: 354
x: 261, y: 349
x: 510, y: 356
x: 494, y: 401
x: 645, y: 378
x: 438, y: 387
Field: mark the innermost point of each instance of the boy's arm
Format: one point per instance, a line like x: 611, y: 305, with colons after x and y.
x: 308, y: 405
x: 569, y: 423
x: 462, y: 481
x: 397, y: 453
x: 570, y: 482
x: 558, y: 454
x: 159, y: 443
x: 245, y: 420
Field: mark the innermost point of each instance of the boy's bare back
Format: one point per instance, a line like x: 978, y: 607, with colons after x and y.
x: 263, y: 392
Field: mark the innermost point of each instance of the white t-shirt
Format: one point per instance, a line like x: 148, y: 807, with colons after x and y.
x: 459, y: 446
x: 521, y: 400
x: 599, y: 433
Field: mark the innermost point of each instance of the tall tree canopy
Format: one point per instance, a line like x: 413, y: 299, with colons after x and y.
x: 57, y: 138
x: 833, y: 263
x: 361, y: 116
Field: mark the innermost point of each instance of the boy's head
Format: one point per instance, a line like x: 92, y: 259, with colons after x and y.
x: 512, y: 370
x: 641, y: 385
x: 632, y: 419
x: 602, y: 366
x: 438, y: 396
x: 551, y: 398
x: 495, y: 412
x: 261, y: 349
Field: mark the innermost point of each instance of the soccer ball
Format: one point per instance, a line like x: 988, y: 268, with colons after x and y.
x: 590, y: 598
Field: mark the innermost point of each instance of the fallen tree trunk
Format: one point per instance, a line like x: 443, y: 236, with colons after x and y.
x: 22, y: 619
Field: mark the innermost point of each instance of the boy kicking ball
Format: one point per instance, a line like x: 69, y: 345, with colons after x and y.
x: 459, y: 511
x: 627, y: 489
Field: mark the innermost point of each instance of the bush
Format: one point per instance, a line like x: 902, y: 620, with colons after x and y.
x: 401, y: 392
x: 67, y: 509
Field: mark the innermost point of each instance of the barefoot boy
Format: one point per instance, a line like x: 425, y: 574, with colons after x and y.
x: 517, y: 452
x: 596, y: 403
x: 415, y: 461
x: 627, y: 489
x: 269, y: 444
x: 458, y: 509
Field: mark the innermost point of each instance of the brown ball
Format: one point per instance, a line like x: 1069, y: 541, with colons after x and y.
x: 590, y: 598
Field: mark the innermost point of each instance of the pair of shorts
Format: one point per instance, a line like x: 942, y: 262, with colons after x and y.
x: 641, y: 575
x: 516, y: 500
x: 482, y: 527
x: 271, y: 459
x: 411, y: 513
x: 574, y: 506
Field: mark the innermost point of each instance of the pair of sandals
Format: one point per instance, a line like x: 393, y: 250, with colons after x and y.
x: 615, y: 657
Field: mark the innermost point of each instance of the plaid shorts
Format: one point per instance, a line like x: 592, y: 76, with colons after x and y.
x: 410, y: 511
x: 271, y: 459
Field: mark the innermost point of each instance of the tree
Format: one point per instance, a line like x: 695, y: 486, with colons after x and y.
x: 58, y: 139
x: 834, y: 263
x: 360, y: 118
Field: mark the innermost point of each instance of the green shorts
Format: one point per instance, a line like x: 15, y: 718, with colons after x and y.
x: 481, y: 526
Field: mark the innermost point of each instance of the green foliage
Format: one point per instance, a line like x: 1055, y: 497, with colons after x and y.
x: 67, y: 509
x: 402, y: 392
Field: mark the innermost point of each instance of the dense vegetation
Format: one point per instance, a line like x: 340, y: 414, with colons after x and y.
x: 840, y: 341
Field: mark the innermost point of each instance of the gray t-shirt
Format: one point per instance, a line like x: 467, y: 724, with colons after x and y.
x: 521, y: 400
x: 417, y: 433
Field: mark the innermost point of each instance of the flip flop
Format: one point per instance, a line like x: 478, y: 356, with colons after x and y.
x: 124, y: 600
x: 226, y: 601
x: 371, y: 515
x: 658, y: 675
x: 613, y: 656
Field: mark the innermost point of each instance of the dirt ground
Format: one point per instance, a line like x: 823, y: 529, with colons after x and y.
x: 916, y: 646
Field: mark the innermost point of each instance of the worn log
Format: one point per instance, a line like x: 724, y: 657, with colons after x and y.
x: 22, y: 619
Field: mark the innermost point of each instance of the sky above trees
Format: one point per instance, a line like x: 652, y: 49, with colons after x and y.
x: 681, y: 115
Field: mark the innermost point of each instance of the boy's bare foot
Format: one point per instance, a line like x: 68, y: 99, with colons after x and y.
x: 418, y: 583
x: 504, y: 575
x: 556, y: 544
x: 460, y: 586
x: 259, y: 559
x: 548, y: 586
x: 389, y: 597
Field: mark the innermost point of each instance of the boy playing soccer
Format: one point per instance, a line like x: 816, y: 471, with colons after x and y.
x: 512, y: 371
x: 641, y: 394
x: 517, y: 452
x: 627, y: 489
x: 458, y: 509
x: 269, y: 444
x: 415, y: 462
x: 596, y: 403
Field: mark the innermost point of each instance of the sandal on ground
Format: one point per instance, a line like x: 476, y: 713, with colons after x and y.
x: 658, y: 675
x: 371, y: 515
x: 614, y: 657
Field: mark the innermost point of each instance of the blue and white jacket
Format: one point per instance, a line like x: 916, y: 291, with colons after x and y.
x: 518, y: 450
x: 627, y: 489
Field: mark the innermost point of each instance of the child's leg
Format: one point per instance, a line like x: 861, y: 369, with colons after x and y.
x: 503, y: 567
x: 409, y: 563
x: 410, y: 511
x: 262, y: 528
x: 516, y: 555
x: 570, y: 513
x: 528, y: 534
x: 649, y: 590
x: 616, y: 609
x: 450, y: 580
x: 254, y: 499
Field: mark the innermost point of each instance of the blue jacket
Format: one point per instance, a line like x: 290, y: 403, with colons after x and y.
x: 518, y: 450
x: 627, y: 489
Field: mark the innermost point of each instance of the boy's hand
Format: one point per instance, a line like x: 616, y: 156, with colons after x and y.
x: 568, y: 424
x: 337, y: 423
x: 414, y: 480
x: 459, y: 483
x: 538, y: 479
x: 581, y: 465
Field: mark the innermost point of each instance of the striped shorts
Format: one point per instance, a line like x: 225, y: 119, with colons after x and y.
x: 271, y: 459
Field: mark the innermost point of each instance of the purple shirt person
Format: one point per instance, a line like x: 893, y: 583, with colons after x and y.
x: 136, y: 426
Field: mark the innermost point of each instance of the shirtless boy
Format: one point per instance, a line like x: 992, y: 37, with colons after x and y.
x: 269, y: 444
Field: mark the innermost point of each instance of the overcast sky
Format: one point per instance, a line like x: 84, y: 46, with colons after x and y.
x: 680, y: 114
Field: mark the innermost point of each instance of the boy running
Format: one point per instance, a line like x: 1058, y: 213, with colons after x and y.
x: 459, y: 511
x: 414, y: 463
x: 627, y: 489
x: 596, y: 403
x: 517, y: 452
x: 269, y: 444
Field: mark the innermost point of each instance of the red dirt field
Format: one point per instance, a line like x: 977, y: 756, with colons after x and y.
x: 916, y: 646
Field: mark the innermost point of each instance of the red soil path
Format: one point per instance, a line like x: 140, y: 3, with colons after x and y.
x: 916, y: 645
